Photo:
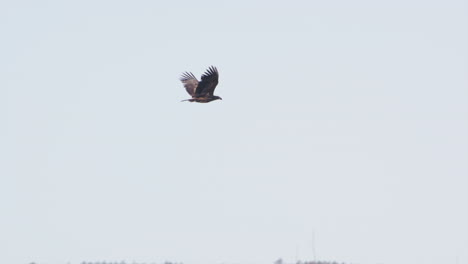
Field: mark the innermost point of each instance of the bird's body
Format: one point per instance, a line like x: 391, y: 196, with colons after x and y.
x: 201, y: 92
x: 205, y: 99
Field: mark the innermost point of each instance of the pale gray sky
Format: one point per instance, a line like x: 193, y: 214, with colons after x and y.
x: 343, y: 119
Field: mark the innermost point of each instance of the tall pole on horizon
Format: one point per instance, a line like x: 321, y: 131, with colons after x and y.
x: 313, y: 247
x: 297, y: 254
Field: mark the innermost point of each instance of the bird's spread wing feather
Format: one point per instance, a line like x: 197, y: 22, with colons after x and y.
x: 190, y: 82
x: 208, y: 82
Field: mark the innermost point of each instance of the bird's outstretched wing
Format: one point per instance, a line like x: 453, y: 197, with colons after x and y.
x: 190, y: 82
x: 208, y: 82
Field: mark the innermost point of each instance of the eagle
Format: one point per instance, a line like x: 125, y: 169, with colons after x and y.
x: 201, y: 92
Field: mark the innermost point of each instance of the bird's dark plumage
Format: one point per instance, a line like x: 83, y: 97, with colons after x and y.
x: 201, y: 92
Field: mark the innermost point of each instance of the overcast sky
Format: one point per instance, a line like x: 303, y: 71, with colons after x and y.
x: 343, y: 128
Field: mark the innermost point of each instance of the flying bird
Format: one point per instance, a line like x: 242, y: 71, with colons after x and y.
x: 201, y: 92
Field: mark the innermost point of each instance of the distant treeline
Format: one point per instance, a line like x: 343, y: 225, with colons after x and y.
x: 319, y: 262
x: 281, y: 261
x: 123, y: 262
x: 119, y: 262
